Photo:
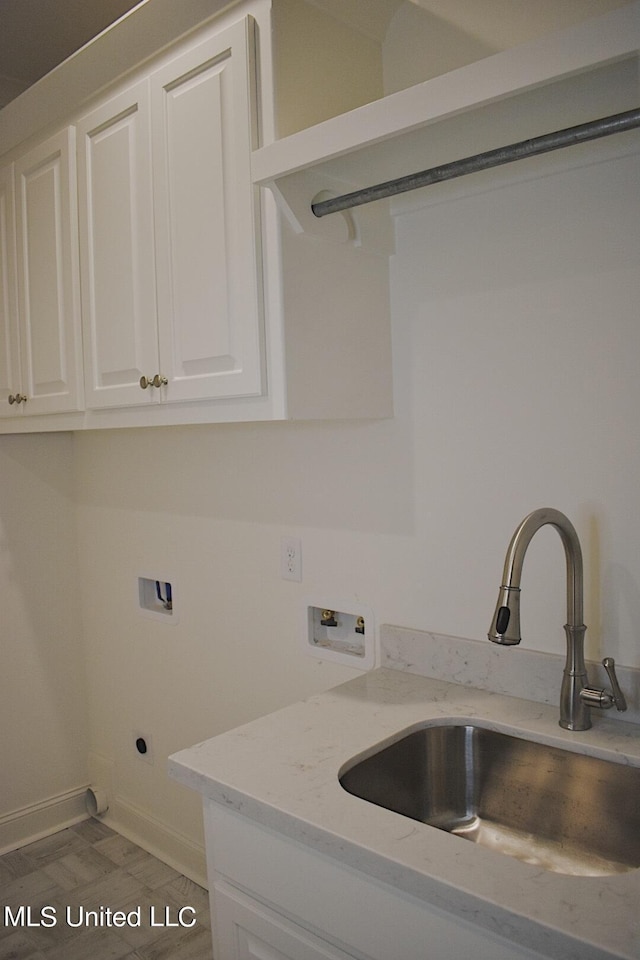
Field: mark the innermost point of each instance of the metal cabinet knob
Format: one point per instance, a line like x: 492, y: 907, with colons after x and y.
x: 156, y: 381
x: 17, y: 398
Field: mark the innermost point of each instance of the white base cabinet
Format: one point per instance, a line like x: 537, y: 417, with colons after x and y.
x: 274, y: 898
x: 247, y: 930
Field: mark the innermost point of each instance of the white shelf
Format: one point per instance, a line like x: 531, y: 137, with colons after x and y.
x: 385, y: 138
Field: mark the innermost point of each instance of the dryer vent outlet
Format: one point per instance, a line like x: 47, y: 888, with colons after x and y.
x: 142, y: 746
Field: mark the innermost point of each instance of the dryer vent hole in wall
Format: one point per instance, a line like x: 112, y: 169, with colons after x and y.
x: 142, y: 746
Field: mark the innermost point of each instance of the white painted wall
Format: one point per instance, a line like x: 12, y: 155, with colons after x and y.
x: 43, y: 746
x: 516, y: 346
x: 518, y: 299
x: 426, y: 38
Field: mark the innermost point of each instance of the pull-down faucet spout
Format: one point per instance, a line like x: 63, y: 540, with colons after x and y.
x: 576, y: 696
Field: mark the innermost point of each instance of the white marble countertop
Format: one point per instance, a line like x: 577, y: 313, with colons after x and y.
x: 282, y: 771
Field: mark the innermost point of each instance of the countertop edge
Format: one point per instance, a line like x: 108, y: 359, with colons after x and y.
x: 194, y: 767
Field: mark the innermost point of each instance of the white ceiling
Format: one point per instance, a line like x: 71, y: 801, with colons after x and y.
x: 36, y: 35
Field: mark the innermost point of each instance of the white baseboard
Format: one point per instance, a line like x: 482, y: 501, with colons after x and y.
x: 157, y: 838
x: 41, y: 819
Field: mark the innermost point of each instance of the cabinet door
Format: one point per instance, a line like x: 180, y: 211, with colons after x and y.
x: 208, y: 294
x: 48, y: 286
x: 9, y: 336
x: 246, y: 930
x: 117, y: 250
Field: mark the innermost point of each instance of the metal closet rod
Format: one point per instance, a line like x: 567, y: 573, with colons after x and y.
x: 592, y: 130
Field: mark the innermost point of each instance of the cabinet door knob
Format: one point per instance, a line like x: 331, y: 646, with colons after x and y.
x: 17, y: 398
x: 156, y: 381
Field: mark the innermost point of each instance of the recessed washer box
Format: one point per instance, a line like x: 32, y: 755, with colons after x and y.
x: 341, y: 631
x: 157, y: 598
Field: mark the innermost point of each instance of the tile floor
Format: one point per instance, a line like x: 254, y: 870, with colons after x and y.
x: 86, y: 867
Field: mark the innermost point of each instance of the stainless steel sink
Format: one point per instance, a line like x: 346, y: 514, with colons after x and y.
x: 560, y: 810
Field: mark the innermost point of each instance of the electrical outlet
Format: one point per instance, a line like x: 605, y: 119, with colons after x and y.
x: 291, y: 558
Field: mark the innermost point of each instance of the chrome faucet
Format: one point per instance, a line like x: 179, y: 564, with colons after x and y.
x: 576, y: 695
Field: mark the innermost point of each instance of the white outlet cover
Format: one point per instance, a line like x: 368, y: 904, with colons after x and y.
x: 291, y: 558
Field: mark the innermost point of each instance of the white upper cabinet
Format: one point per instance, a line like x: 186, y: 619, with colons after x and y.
x: 50, y: 379
x: 209, y: 305
x: 10, y: 375
x: 116, y: 237
x: 175, y: 308
x: 206, y: 294
x: 204, y: 138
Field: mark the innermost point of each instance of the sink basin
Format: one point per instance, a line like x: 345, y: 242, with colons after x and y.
x: 563, y: 811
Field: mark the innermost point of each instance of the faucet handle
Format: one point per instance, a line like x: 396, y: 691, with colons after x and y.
x: 618, y: 696
x: 604, y: 699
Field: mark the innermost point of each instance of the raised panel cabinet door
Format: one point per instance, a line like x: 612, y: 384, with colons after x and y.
x: 10, y: 384
x: 246, y: 930
x: 48, y: 285
x: 209, y: 302
x: 117, y: 262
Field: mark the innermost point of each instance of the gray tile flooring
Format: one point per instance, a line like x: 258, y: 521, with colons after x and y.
x: 84, y: 876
